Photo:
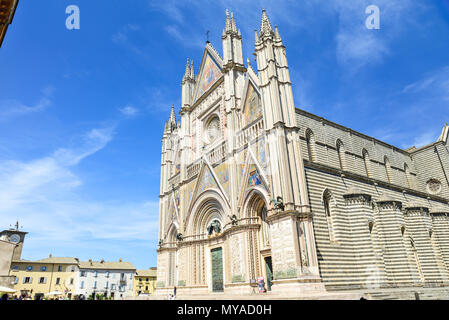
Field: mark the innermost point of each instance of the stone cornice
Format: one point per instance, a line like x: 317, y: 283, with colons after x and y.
x: 302, y: 216
x: 220, y: 237
x: 354, y: 176
x: 233, y: 66
x: 416, y: 207
x: 339, y: 126
x: 355, y: 195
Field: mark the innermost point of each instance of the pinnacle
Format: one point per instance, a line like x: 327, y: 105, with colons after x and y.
x: 172, y: 115
x: 192, y: 71
x: 265, y: 25
x: 187, y: 72
x: 231, y: 26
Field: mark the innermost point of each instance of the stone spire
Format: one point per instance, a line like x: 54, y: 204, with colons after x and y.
x: 192, y: 71
x: 232, y: 43
x: 277, y: 36
x: 187, y: 72
x: 265, y: 25
x: 444, y: 133
x: 172, y: 120
x: 233, y: 24
x: 228, y: 26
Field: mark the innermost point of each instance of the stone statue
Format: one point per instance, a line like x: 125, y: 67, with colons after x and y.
x: 278, y: 203
x: 214, y: 226
x: 234, y: 221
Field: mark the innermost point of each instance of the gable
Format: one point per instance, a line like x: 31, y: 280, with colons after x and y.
x: 207, y: 181
x: 210, y: 72
x: 252, y: 175
x: 252, y: 108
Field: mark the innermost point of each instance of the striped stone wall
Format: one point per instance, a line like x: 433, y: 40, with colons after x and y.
x: 380, y: 240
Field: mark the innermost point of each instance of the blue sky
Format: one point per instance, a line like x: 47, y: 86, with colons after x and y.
x: 82, y: 111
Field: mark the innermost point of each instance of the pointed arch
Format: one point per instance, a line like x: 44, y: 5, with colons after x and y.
x: 208, y: 206
x: 407, y: 175
x: 341, y: 154
x: 387, y: 168
x: 366, y: 161
x: 329, y: 212
x: 310, y: 142
x: 256, y: 205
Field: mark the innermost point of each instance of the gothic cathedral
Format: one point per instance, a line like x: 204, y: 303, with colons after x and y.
x: 253, y: 189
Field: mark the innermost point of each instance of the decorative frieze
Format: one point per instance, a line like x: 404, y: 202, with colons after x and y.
x: 387, y: 203
x: 356, y: 196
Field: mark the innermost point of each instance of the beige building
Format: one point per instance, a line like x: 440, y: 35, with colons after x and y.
x: 253, y: 188
x: 41, y: 277
x: 145, y: 282
x: 11, y: 244
x: 6, y: 252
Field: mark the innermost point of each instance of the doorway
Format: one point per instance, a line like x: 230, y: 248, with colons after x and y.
x: 269, y: 272
x: 217, y: 270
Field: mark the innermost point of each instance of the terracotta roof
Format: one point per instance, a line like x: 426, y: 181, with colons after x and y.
x: 146, y: 273
x: 55, y: 260
x: 107, y: 265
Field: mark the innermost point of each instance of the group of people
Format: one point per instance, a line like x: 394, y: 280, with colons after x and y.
x: 6, y: 296
x: 172, y: 296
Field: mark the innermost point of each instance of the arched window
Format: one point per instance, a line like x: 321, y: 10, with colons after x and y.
x: 341, y: 154
x: 407, y: 175
x: 370, y: 226
x: 366, y: 161
x: 310, y: 141
x: 327, y: 200
x: 387, y: 168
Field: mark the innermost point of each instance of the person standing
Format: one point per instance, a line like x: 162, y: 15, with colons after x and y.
x: 174, y: 292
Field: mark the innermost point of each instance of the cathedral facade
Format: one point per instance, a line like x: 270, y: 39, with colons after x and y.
x: 253, y: 188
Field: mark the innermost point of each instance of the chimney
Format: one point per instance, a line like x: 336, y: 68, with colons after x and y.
x: 50, y: 255
x: 102, y: 261
x: 90, y: 260
x: 120, y: 260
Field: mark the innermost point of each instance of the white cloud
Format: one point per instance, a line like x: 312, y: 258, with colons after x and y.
x: 129, y: 111
x: 436, y: 84
x: 358, y: 46
x: 169, y: 8
x: 425, y: 138
x: 10, y: 107
x: 189, y: 39
x: 45, y: 195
